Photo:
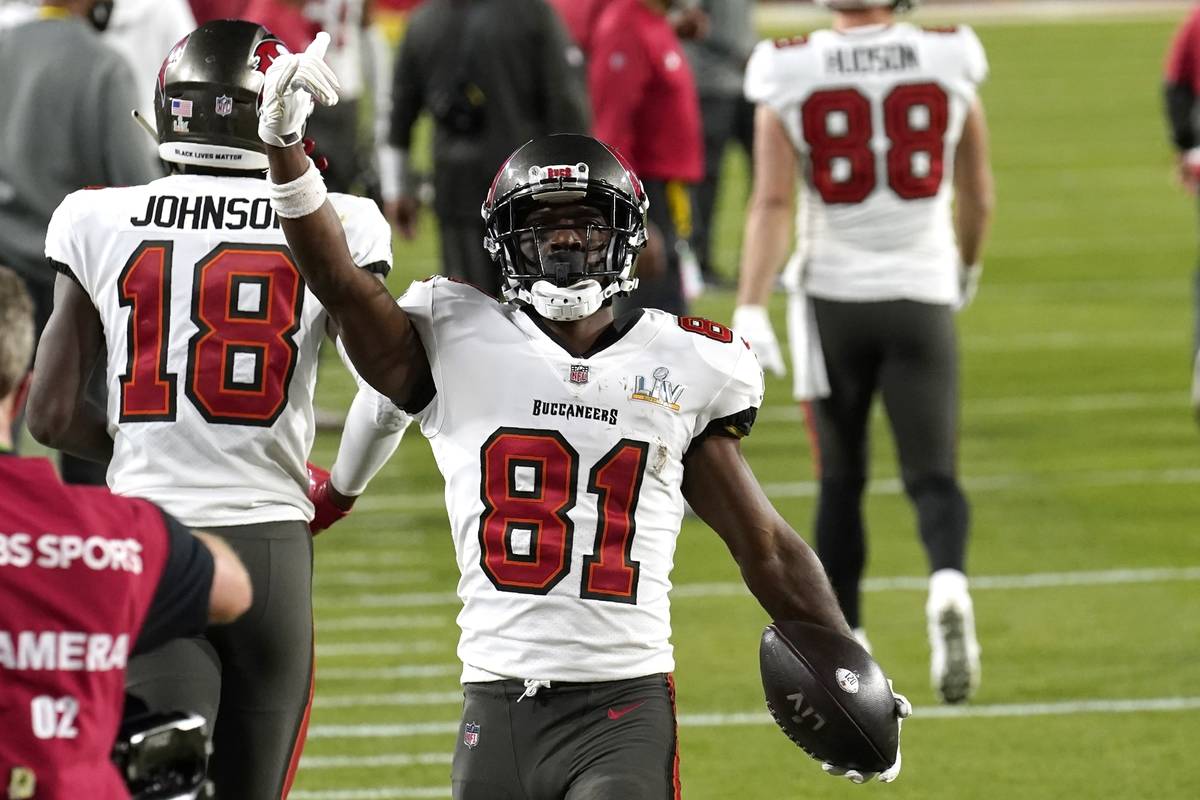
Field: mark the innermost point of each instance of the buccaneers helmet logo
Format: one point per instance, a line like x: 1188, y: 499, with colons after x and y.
x: 265, y: 54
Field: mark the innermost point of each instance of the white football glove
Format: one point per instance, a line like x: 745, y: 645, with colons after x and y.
x: 753, y: 325
x: 969, y: 276
x: 903, y: 710
x: 291, y: 84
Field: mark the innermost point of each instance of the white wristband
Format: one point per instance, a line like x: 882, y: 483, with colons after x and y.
x: 300, y: 197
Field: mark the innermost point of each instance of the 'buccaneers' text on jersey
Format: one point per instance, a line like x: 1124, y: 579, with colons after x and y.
x: 563, y: 476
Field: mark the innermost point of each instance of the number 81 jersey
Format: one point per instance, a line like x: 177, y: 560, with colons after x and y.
x: 563, y: 475
x: 876, y: 114
x: 212, y: 340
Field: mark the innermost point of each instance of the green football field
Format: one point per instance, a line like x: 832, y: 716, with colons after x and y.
x: 1079, y: 453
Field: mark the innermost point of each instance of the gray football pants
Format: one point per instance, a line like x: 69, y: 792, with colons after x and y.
x: 613, y: 740
x: 907, y: 352
x: 254, y: 677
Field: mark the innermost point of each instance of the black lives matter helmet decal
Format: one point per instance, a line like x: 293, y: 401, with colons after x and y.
x: 207, y: 93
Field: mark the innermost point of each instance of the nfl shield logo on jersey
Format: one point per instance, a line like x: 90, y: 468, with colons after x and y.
x: 579, y: 373
x: 224, y: 106
x: 471, y: 734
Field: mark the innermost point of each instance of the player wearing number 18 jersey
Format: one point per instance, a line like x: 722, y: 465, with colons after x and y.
x: 212, y: 344
x: 883, y: 121
x: 568, y: 439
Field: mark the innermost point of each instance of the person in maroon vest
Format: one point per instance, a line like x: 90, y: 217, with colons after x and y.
x: 86, y: 579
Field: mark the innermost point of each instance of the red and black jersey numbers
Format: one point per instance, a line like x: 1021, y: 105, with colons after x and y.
x: 246, y: 303
x: 706, y: 328
x: 144, y: 287
x: 529, y: 481
x: 527, y: 487
x: 838, y: 127
x: 609, y: 573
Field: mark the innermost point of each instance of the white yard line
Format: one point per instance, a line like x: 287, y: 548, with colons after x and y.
x: 366, y: 558
x: 356, y: 649
x: 761, y: 717
x: 401, y: 672
x: 383, y: 623
x: 393, y: 700
x: 325, y: 577
x: 1028, y: 480
x: 386, y: 793
x: 1024, y: 480
x: 1109, y: 577
x: 1072, y: 340
x: 1020, y: 406
x: 385, y: 760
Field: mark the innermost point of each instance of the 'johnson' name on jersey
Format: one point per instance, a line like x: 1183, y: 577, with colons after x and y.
x: 206, y: 211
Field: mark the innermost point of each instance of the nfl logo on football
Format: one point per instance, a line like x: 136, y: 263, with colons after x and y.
x: 579, y: 373
x: 471, y: 734
x: 224, y: 106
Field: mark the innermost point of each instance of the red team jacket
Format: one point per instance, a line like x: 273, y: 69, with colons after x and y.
x: 643, y: 94
x: 79, y: 568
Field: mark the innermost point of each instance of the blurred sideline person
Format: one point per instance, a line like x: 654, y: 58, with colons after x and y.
x: 213, y: 342
x: 492, y: 74
x: 336, y: 131
x: 884, y: 122
x: 209, y: 10
x: 646, y: 107
x: 579, y: 17
x: 565, y: 474
x: 64, y: 124
x: 144, y: 31
x: 1181, y: 91
x: 719, y: 63
x: 86, y: 578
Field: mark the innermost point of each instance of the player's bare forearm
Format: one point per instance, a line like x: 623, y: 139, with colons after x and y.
x: 974, y: 187
x: 767, y: 238
x: 778, y: 566
x: 379, y: 337
x: 71, y: 348
x: 766, y: 243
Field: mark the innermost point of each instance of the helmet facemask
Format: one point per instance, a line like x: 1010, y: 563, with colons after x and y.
x: 565, y: 248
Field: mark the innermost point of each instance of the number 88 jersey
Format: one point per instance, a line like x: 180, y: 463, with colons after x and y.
x: 212, y: 340
x: 876, y: 114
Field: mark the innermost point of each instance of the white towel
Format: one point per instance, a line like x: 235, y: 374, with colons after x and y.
x: 809, y: 378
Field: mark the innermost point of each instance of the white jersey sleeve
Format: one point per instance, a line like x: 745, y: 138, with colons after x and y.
x: 418, y: 303
x: 735, y: 404
x: 62, y: 246
x: 368, y: 234
x: 772, y: 69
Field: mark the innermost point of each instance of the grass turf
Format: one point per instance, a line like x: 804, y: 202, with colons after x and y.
x: 1077, y: 445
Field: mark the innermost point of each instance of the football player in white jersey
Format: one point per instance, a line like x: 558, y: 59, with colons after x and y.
x: 212, y: 342
x: 569, y: 440
x: 883, y: 122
